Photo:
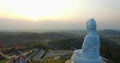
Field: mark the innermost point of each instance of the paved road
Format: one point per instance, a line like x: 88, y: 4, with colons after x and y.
x: 35, y: 51
x: 52, y: 53
x: 10, y: 57
x: 7, y: 57
x: 38, y: 56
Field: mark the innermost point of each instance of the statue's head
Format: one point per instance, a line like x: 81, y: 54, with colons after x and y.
x: 91, y: 25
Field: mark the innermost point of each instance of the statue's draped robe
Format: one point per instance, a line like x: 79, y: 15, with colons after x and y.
x: 91, y: 46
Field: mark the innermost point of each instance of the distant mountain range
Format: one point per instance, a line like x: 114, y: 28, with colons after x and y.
x: 110, y: 32
x: 106, y: 33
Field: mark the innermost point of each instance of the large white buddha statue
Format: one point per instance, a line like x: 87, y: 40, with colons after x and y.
x: 90, y: 52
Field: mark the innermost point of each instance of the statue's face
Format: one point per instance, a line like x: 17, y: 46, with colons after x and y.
x: 91, y: 25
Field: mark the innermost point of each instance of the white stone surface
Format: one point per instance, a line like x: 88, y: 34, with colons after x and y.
x: 90, y: 48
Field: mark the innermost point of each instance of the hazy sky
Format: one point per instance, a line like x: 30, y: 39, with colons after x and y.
x: 58, y: 14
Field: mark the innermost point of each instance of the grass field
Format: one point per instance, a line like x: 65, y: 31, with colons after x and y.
x: 3, y: 61
x: 55, y: 61
x: 116, y: 40
x: 36, y: 61
x: 50, y: 60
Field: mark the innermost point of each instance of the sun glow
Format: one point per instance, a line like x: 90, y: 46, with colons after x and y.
x: 36, y: 9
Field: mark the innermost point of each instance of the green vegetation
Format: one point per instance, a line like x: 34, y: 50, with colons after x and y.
x: 35, y: 61
x: 55, y: 61
x: 49, y: 58
x: 61, y: 41
x: 24, y: 38
x: 3, y: 61
x: 116, y: 40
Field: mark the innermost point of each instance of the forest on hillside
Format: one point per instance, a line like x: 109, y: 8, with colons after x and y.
x: 58, y: 40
